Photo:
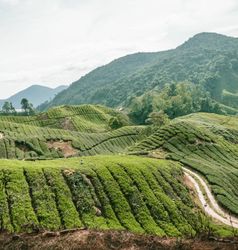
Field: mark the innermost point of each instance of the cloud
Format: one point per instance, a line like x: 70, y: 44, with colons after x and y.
x: 55, y: 42
x: 10, y: 2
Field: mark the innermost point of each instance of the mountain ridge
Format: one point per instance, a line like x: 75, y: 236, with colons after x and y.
x: 32, y: 94
x: 207, y: 59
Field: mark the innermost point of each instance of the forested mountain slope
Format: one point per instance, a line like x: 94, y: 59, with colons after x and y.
x: 207, y: 59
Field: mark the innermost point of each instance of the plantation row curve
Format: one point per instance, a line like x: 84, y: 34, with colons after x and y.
x: 123, y: 193
x: 200, y: 148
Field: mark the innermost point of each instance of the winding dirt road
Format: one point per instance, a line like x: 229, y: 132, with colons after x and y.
x: 211, y: 208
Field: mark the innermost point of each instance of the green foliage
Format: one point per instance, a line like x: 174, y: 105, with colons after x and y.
x: 174, y: 100
x: 43, y: 199
x: 158, y: 119
x: 230, y: 99
x: 95, y: 192
x: 84, y: 118
x: 63, y: 198
x: 66, y: 131
x: 8, y: 108
x: 206, y: 143
x: 27, y: 107
x: 115, y: 123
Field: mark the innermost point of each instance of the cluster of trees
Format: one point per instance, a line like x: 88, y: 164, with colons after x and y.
x: 173, y: 100
x: 118, y: 121
x: 26, y: 106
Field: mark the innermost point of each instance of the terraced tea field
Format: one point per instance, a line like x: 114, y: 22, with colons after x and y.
x: 105, y: 192
x: 225, y: 126
x: 83, y: 118
x: 22, y: 141
x: 112, y: 192
x: 200, y: 147
x: 46, y: 135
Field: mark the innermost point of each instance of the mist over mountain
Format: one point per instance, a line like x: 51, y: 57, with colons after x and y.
x: 36, y: 94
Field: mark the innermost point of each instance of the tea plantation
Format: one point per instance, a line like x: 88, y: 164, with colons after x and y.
x: 37, y: 137
x: 205, y: 143
x: 83, y: 118
x: 142, y: 195
x: 104, y: 192
x: 31, y: 142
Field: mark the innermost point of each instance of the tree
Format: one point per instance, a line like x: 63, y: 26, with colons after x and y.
x: 158, y: 119
x: 24, y: 104
x: 27, y: 107
x: 12, y: 109
x: 115, y: 123
x: 6, y: 107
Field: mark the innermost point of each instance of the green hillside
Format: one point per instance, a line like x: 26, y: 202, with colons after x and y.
x: 207, y: 143
x: 83, y: 118
x: 208, y: 60
x: 67, y: 131
x: 139, y: 195
x: 132, y: 193
x: 26, y: 142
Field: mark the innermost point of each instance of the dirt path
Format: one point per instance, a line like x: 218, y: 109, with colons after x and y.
x: 212, y: 208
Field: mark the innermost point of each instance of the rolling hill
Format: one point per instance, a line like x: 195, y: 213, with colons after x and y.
x: 66, y: 131
x: 32, y: 94
x: 83, y: 118
x: 145, y: 196
x: 209, y: 60
x: 206, y: 143
x: 92, y: 190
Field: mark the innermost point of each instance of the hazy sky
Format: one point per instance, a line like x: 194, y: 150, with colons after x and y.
x: 53, y: 42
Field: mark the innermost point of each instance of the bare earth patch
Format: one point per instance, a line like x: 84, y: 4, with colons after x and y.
x: 106, y: 240
x: 67, y: 124
x: 64, y: 146
x: 1, y: 136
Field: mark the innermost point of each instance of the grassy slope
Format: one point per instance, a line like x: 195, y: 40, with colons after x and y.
x: 83, y: 118
x: 82, y: 129
x: 225, y: 126
x: 103, y: 192
x: 144, y: 195
x: 207, y: 144
x: 25, y: 141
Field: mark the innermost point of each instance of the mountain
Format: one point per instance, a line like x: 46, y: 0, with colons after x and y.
x: 207, y: 59
x: 36, y: 94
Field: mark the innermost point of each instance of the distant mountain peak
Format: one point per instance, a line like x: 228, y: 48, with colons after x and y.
x: 209, y: 40
x: 36, y: 94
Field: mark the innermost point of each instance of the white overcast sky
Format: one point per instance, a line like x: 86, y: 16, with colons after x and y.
x: 53, y: 42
